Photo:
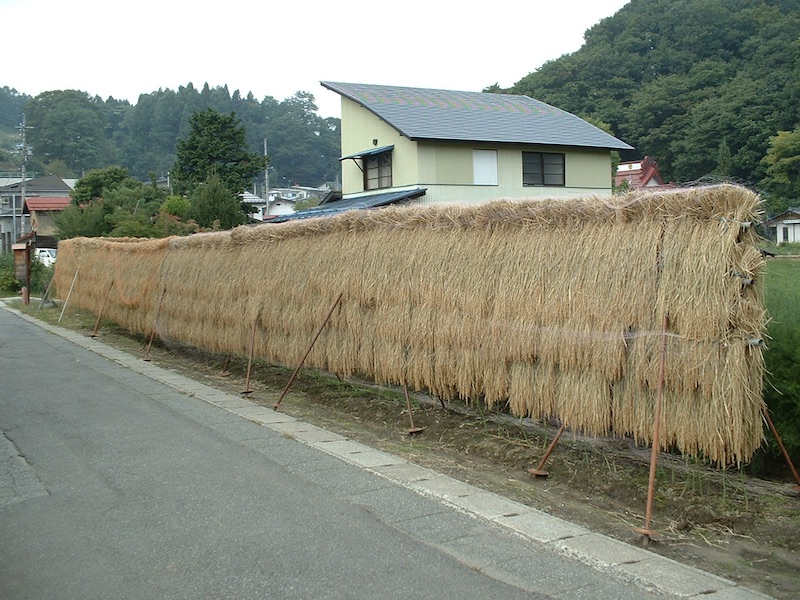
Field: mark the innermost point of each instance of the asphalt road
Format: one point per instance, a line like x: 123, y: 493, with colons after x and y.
x: 113, y: 485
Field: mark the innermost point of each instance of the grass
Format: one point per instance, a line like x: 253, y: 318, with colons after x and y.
x: 782, y: 249
x: 782, y: 358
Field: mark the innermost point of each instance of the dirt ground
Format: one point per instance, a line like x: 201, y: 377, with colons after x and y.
x: 722, y: 521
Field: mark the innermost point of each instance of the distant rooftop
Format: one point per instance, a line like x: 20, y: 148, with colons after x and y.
x: 42, y: 203
x: 426, y: 114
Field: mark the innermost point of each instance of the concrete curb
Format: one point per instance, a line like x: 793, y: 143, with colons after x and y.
x: 606, y: 554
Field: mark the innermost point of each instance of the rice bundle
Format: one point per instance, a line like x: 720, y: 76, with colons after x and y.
x: 554, y: 307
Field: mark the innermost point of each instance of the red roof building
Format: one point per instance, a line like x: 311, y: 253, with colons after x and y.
x: 638, y: 174
x: 41, y: 210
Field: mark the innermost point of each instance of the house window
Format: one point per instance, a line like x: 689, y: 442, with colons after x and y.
x: 542, y: 169
x: 785, y: 234
x: 484, y: 167
x: 378, y: 171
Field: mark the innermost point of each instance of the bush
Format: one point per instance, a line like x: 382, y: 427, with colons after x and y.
x: 40, y: 276
x: 8, y: 283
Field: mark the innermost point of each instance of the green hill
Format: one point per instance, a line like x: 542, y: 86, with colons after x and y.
x: 699, y: 85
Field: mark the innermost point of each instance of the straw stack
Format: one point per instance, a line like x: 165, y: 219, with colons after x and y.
x: 554, y: 307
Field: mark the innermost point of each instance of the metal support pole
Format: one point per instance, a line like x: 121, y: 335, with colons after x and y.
x: 247, y: 389
x: 412, y: 429
x: 66, y: 301
x: 224, y: 372
x: 539, y: 470
x: 155, y: 324
x: 305, y: 356
x: 646, y: 531
x: 46, y: 293
x: 102, y: 309
x: 786, y: 457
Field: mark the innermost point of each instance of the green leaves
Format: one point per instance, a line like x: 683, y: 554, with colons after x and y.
x: 69, y: 126
x: 214, y: 206
x: 215, y: 144
x: 108, y: 202
x: 699, y: 85
x: 782, y: 164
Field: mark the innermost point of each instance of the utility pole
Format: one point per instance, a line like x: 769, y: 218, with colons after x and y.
x: 23, y: 147
x: 266, y: 180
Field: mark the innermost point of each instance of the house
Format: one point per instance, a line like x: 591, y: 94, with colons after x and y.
x: 439, y: 146
x: 41, y: 210
x: 786, y: 225
x: 638, y: 175
x: 14, y: 219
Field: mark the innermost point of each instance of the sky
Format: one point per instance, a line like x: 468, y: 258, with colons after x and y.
x: 277, y: 48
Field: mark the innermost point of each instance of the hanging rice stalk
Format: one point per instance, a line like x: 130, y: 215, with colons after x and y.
x: 553, y: 307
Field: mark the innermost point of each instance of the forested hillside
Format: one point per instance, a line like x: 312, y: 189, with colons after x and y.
x: 72, y: 132
x: 699, y: 85
x: 702, y: 86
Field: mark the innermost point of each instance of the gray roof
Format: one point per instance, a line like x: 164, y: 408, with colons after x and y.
x: 790, y: 212
x: 49, y: 184
x: 423, y: 114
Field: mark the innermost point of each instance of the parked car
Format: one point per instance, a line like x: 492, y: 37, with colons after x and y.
x: 46, y: 256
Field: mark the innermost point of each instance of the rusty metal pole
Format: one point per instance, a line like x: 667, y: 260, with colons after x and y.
x: 46, y: 293
x: 69, y: 293
x: 102, y: 309
x: 155, y: 323
x: 247, y: 389
x: 305, y: 356
x: 539, y: 470
x: 786, y: 457
x: 646, y: 531
x: 412, y: 429
x: 225, y: 372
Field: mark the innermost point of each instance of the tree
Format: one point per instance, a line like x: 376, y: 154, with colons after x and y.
x: 674, y: 79
x: 215, y: 144
x: 71, y: 126
x: 782, y: 163
x: 214, y: 206
x: 92, y: 185
x: 108, y: 202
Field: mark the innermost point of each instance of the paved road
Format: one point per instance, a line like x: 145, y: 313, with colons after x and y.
x: 115, y: 485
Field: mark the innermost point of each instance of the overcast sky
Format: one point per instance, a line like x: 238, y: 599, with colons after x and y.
x: 276, y: 48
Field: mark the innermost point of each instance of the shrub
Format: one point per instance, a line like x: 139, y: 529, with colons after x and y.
x: 40, y: 275
x: 8, y: 283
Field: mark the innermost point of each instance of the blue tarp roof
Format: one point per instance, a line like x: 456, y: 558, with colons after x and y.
x: 360, y: 202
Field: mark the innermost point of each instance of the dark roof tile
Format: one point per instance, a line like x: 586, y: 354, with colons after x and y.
x: 425, y: 114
